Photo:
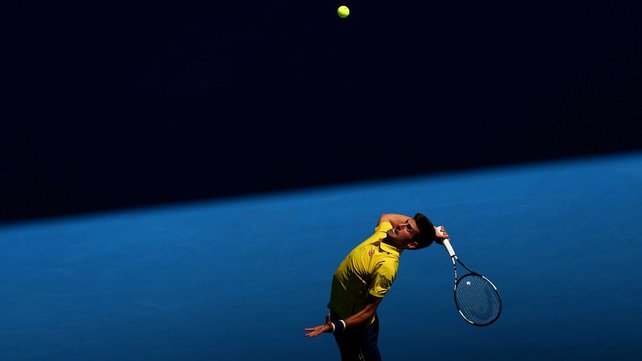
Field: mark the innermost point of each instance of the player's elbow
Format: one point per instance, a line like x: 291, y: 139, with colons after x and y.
x: 373, y: 303
x: 385, y: 217
x: 370, y: 311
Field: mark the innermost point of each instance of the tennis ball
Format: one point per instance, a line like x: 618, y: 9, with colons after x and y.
x: 343, y: 11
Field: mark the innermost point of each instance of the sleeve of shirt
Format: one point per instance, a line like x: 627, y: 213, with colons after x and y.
x: 383, y: 227
x: 382, y: 280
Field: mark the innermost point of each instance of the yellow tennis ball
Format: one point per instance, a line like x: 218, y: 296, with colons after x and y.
x: 343, y: 11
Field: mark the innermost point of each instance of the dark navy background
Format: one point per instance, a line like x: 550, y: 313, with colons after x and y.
x: 119, y: 105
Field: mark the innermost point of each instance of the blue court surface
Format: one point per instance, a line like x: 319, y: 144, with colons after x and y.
x: 239, y: 279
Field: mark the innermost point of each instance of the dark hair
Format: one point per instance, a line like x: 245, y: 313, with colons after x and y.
x: 426, y: 231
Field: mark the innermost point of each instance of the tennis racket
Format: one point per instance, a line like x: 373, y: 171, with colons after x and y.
x: 476, y: 297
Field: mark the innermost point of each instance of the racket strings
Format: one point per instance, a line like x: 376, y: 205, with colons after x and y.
x: 477, y: 300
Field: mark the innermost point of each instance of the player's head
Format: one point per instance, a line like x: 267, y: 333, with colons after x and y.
x: 426, y: 233
x: 415, y: 233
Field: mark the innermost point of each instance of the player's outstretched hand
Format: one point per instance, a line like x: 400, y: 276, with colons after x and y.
x: 316, y: 331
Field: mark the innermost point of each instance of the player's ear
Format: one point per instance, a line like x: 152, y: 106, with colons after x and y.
x: 412, y: 245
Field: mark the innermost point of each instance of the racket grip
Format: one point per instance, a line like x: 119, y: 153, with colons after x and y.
x: 446, y: 243
x: 449, y: 248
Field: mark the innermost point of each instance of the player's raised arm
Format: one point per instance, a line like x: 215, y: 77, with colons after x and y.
x: 393, y: 218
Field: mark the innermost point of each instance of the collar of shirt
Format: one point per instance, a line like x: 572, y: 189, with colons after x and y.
x: 384, y: 247
x: 388, y: 248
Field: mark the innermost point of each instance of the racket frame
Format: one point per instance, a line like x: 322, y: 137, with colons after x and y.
x: 455, y: 260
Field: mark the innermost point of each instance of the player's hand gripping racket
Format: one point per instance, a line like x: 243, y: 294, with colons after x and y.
x: 476, y: 297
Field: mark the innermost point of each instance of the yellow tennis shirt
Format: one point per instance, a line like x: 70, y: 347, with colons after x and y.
x: 370, y: 268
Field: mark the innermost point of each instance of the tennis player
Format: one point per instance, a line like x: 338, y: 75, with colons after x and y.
x: 365, y: 277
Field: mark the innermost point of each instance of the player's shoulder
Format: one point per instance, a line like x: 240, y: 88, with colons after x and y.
x: 383, y: 227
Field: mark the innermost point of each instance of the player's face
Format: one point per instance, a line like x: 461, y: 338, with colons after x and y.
x: 404, y: 233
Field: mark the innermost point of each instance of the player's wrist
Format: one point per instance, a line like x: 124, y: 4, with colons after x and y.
x: 338, y: 326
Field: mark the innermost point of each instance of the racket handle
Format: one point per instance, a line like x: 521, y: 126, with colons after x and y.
x: 446, y: 243
x: 449, y: 248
